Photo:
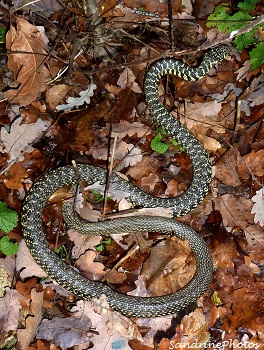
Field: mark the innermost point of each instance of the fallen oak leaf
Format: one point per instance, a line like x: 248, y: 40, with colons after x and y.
x: 65, y: 332
x: 26, y: 59
x: 9, y: 311
x: 127, y: 79
x: 15, y: 176
x: 55, y: 95
x: 26, y: 263
x: 109, y: 325
x: 251, y: 163
x: 20, y: 137
x: 258, y: 207
x: 74, y: 102
x: 89, y: 268
x: 25, y: 336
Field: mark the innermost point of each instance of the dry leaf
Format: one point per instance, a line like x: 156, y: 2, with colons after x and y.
x: 198, y: 116
x: 55, y: 94
x: 4, y: 282
x: 89, y: 268
x: 254, y: 161
x: 25, y: 336
x: 27, y: 62
x: 26, y: 263
x: 127, y: 79
x: 258, y: 207
x: 20, y: 137
x: 65, y: 332
x: 46, y: 6
x: 236, y: 211
x: 166, y: 269
x: 131, y: 155
x: 74, y: 102
x: 110, y: 327
x: 82, y: 242
x: 226, y: 169
x: 124, y: 128
x: 9, y: 311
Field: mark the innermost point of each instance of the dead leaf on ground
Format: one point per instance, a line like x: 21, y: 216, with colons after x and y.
x: 26, y: 263
x: 110, y: 326
x: 28, y: 68
x: 25, y: 336
x: 166, y: 270
x: 65, y: 332
x: 236, y: 211
x: 89, y: 268
x: 9, y: 311
x: 191, y: 331
x: 226, y: 169
x: 21, y: 137
x: 254, y: 161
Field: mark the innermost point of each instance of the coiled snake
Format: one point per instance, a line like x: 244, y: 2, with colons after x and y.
x: 31, y: 216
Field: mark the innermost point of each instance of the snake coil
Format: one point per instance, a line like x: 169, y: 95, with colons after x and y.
x: 31, y: 215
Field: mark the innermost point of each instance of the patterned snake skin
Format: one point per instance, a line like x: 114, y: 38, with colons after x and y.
x: 31, y: 215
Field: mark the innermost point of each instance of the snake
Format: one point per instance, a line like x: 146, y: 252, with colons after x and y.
x: 39, y: 193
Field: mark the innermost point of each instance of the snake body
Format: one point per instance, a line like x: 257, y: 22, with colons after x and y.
x: 31, y: 215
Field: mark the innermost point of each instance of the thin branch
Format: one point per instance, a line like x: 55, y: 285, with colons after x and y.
x: 207, y: 45
x: 227, y: 38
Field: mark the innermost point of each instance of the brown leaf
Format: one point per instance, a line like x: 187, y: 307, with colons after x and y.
x: 25, y: 336
x: 226, y: 169
x: 20, y: 137
x: 236, y: 211
x: 9, y: 311
x: 56, y: 94
x: 89, y: 268
x: 190, y: 333
x: 26, y: 62
x: 15, y: 177
x: 21, y: 170
x: 255, y: 161
x: 166, y: 270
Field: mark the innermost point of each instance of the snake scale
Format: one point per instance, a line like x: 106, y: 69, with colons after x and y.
x: 35, y: 201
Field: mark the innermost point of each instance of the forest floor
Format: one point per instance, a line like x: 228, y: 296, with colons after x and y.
x: 72, y: 84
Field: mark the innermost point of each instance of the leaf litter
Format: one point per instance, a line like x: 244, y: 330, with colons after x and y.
x: 112, y: 103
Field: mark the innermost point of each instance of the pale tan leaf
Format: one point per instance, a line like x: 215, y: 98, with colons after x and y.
x: 124, y: 128
x: 21, y: 136
x: 56, y: 94
x: 82, y: 242
x: 9, y: 311
x: 4, y: 282
x: 198, y: 117
x: 127, y: 79
x: 26, y: 263
x: 110, y: 326
x: 133, y: 156
x: 89, y: 268
x: 25, y: 336
x: 65, y: 332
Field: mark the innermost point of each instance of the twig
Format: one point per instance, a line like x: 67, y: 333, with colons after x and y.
x: 109, y: 173
x: 129, y: 253
x: 207, y: 45
x: 171, y: 25
x: 227, y: 38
